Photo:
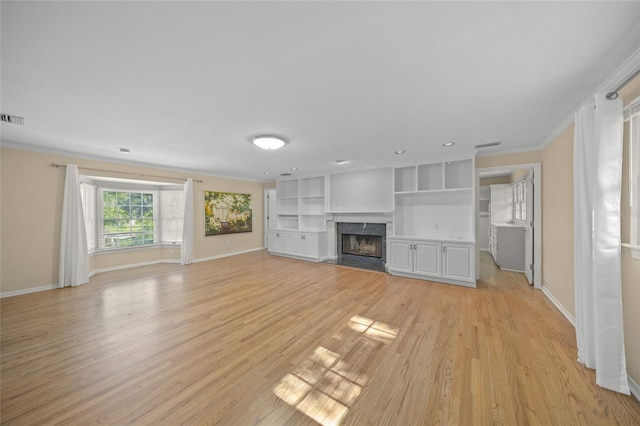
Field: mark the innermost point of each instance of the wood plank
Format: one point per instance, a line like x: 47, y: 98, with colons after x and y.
x: 259, y: 339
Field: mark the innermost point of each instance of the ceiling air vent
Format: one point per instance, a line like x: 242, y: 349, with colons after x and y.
x: 285, y: 174
x: 490, y: 144
x: 12, y: 119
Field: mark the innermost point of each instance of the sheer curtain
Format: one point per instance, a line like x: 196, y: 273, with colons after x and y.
x: 186, y: 256
x: 74, y: 257
x: 598, y: 283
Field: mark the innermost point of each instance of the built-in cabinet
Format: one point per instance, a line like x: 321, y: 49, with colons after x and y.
x: 433, y: 227
x: 433, y: 260
x: 301, y: 204
x: 434, y: 222
x: 300, y: 225
x: 309, y: 245
x: 507, y: 245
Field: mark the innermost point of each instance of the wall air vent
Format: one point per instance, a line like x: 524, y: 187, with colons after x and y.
x: 14, y: 119
x: 490, y: 144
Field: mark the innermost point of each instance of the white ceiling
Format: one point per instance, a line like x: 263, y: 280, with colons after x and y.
x: 184, y: 85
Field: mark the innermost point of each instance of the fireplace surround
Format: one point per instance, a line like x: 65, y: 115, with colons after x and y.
x: 361, y: 245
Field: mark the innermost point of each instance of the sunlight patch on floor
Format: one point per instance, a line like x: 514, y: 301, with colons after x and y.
x: 324, y: 386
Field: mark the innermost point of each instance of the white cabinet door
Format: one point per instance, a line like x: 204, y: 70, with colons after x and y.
x: 427, y: 258
x: 457, y: 262
x: 297, y: 244
x: 284, y: 242
x: 311, y: 245
x: 400, y: 256
x: 273, y: 241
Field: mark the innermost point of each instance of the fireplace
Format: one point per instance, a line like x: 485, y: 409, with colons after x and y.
x: 361, y: 245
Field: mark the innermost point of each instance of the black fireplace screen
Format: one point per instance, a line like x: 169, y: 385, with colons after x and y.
x: 362, y: 245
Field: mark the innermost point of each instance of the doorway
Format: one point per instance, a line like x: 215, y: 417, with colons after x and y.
x: 521, y: 207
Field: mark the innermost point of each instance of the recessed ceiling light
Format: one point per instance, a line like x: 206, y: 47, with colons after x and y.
x: 125, y: 151
x: 340, y: 162
x: 294, y: 168
x: 448, y: 144
x: 268, y: 142
x: 400, y: 151
x: 267, y: 173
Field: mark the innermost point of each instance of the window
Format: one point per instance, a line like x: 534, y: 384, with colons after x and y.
x: 634, y: 175
x: 520, y: 201
x: 122, y: 213
x: 128, y: 218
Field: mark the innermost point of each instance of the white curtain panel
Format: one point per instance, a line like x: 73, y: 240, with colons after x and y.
x: 598, y: 283
x: 186, y: 256
x: 74, y: 257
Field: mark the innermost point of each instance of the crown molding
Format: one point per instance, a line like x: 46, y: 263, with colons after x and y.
x: 624, y: 71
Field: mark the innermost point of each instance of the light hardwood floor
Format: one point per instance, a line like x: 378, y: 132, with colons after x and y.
x: 258, y: 339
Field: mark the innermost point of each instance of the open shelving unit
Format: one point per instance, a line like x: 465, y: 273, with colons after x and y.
x: 435, y: 200
x: 301, y: 204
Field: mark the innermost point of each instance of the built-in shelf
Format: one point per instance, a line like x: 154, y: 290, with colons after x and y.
x: 435, y: 200
x: 301, y: 204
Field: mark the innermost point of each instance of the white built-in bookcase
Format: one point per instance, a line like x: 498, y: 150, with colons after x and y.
x: 428, y: 200
x: 301, y: 204
x: 435, y: 200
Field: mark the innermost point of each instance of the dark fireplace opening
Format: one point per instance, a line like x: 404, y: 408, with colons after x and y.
x: 362, y: 245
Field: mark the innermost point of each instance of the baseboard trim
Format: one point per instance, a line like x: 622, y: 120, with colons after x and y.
x: 28, y: 290
x: 634, y: 388
x: 558, y: 305
x: 117, y: 268
x: 220, y: 256
x: 132, y: 265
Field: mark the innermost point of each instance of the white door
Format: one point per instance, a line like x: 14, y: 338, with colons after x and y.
x: 528, y: 236
x: 427, y: 259
x: 456, y: 262
x: 400, y: 256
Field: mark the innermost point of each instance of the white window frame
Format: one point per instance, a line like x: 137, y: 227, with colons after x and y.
x: 520, y: 208
x: 95, y: 243
x: 100, y: 227
x: 632, y: 114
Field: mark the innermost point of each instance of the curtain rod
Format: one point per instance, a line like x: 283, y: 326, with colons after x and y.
x: 126, y: 173
x: 614, y: 93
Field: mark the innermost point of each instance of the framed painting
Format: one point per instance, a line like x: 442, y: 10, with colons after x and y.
x: 227, y: 213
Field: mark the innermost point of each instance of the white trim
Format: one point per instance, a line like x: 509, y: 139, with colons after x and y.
x: 558, y: 305
x: 537, y: 214
x: 624, y: 71
x: 28, y: 290
x: 634, y: 388
x: 132, y: 265
x: 635, y: 250
x: 117, y: 268
x: 79, y: 155
x: 220, y: 256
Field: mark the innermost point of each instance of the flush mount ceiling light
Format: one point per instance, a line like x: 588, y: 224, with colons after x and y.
x: 447, y: 144
x: 268, y: 142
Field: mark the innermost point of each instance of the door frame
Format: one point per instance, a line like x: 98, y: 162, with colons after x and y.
x: 266, y: 215
x: 537, y: 214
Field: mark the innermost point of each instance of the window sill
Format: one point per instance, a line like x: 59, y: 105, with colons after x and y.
x: 113, y: 250
x: 635, y: 250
